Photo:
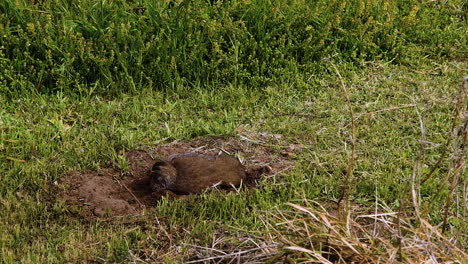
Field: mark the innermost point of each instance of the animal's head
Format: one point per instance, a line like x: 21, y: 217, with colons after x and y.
x: 163, y: 175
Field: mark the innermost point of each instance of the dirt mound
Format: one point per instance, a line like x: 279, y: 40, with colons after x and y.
x: 111, y: 192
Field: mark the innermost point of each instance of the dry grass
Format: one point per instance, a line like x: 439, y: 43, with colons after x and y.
x: 311, y: 233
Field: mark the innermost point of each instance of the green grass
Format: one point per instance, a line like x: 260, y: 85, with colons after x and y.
x: 85, y: 81
x: 38, y: 145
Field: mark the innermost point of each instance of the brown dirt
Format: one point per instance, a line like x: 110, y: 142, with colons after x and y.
x: 111, y: 192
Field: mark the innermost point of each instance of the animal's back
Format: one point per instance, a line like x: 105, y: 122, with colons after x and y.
x: 196, y: 172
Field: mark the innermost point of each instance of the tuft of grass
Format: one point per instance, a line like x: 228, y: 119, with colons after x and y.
x: 311, y: 233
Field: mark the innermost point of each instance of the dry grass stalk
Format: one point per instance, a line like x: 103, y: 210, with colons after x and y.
x: 460, y: 141
x: 235, y: 256
x: 460, y: 109
x: 128, y: 190
x: 346, y: 193
x: 456, y: 168
x: 414, y: 181
x: 385, y: 110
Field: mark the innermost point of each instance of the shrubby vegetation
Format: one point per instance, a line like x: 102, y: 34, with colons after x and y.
x: 113, y: 47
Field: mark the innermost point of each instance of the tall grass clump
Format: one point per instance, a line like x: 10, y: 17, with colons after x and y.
x: 110, y: 47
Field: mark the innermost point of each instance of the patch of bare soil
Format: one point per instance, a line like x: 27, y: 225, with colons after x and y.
x: 111, y: 192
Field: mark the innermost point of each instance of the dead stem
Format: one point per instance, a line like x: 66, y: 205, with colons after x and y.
x: 414, y: 181
x: 234, y: 254
x: 385, y: 110
x: 461, y: 100
x: 346, y: 193
x: 460, y: 133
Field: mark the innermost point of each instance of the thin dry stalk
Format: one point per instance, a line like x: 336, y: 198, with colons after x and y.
x: 128, y: 190
x: 460, y: 106
x: 300, y: 115
x: 346, y: 193
x: 460, y: 132
x: 385, y: 110
x: 235, y: 254
x: 457, y: 166
x: 417, y: 167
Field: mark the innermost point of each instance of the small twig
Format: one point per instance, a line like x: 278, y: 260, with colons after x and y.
x: 424, y: 72
x: 206, y: 248
x: 459, y: 146
x: 41, y: 11
x: 98, y: 259
x: 385, y: 110
x: 128, y: 190
x: 417, y: 167
x: 414, y: 189
x: 376, y: 209
x: 234, y: 254
x: 251, y: 140
x: 281, y: 211
x: 459, y: 169
x: 446, y: 240
x: 300, y: 114
x: 352, y: 160
x: 279, y: 172
x: 222, y: 150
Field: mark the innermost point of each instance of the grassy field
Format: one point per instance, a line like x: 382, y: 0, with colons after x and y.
x: 82, y: 83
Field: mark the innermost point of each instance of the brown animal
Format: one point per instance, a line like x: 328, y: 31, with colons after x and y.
x: 192, y: 173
